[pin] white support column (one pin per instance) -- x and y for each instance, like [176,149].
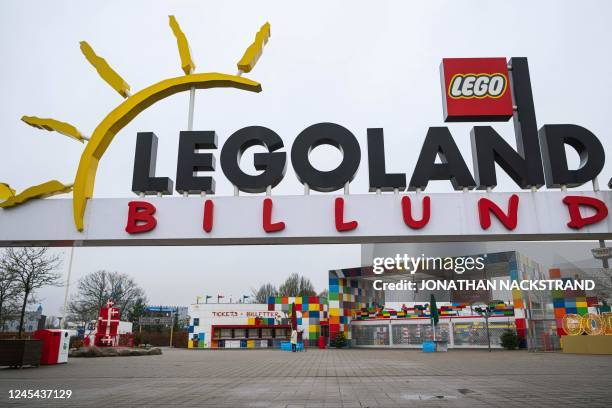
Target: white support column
[67,291]
[191,108]
[189,121]
[595,184]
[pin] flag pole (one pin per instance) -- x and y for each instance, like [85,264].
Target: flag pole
[433,326]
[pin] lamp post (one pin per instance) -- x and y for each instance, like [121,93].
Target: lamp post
[172,315]
[486,313]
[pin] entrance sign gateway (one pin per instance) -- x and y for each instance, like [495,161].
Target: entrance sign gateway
[473,89]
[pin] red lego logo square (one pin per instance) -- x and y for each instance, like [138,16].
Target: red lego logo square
[476,90]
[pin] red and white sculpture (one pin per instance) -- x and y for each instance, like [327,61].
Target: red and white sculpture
[107,326]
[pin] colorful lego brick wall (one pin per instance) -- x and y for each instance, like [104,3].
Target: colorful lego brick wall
[196,343]
[523,268]
[261,321]
[520,268]
[568,301]
[311,312]
[348,295]
[422,310]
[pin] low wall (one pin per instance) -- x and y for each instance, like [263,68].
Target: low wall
[587,344]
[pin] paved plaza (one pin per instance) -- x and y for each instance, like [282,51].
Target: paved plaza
[322,378]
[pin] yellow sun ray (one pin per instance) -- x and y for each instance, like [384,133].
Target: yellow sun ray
[119,117]
[53,125]
[105,71]
[6,191]
[252,54]
[104,133]
[48,189]
[187,63]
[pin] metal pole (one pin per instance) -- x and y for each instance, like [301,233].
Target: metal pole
[189,121]
[191,106]
[604,261]
[433,326]
[171,328]
[487,327]
[602,243]
[63,324]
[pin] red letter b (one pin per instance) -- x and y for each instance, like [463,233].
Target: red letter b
[140,217]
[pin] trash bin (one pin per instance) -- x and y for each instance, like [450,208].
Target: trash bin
[441,345]
[321,343]
[429,346]
[55,345]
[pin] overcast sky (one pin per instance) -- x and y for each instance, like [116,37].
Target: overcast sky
[357,63]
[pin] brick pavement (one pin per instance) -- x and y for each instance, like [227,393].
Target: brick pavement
[322,378]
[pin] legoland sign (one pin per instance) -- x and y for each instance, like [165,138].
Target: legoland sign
[473,90]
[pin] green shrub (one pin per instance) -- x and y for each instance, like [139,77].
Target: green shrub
[339,340]
[509,339]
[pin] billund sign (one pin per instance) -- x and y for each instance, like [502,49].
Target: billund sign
[473,90]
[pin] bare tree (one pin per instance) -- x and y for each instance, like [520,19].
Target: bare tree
[32,269]
[9,297]
[96,288]
[261,294]
[296,285]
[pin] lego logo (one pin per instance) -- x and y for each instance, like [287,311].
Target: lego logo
[478,86]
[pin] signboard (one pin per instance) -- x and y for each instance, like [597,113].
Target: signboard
[602,253]
[476,89]
[245,313]
[155,321]
[306,220]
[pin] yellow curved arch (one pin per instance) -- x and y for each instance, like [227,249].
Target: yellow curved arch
[123,114]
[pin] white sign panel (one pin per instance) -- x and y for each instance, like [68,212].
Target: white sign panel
[308,219]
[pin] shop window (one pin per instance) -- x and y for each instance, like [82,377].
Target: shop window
[416,334]
[475,333]
[253,333]
[371,335]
